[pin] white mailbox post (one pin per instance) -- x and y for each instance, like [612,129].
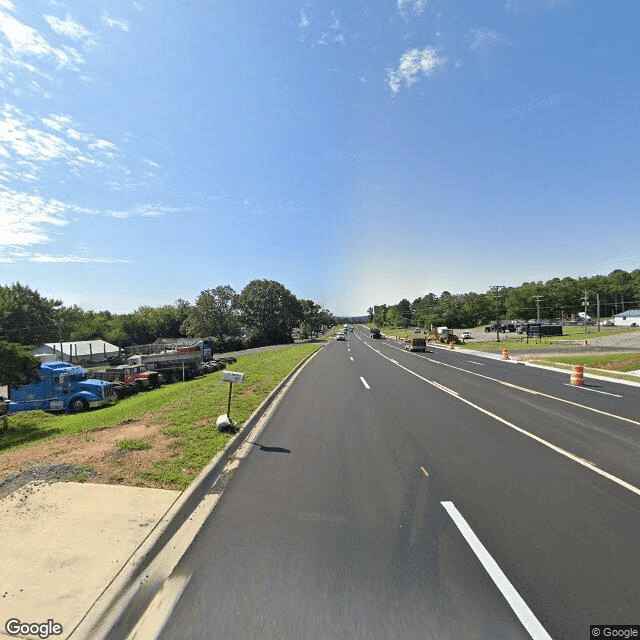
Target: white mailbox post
[224,421]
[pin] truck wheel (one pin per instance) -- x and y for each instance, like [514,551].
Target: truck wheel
[78,405]
[139,386]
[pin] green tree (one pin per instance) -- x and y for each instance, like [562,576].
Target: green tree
[26,317]
[314,317]
[214,315]
[17,365]
[269,312]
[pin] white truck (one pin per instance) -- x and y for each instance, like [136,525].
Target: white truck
[444,332]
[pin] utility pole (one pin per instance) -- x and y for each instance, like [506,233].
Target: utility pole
[538,298]
[498,288]
[585,304]
[598,309]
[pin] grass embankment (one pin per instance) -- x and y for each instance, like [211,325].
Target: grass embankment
[188,409]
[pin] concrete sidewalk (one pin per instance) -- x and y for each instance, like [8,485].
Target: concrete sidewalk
[63,543]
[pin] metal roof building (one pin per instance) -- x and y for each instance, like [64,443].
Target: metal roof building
[84,350]
[630,318]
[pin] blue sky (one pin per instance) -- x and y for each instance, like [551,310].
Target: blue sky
[358,153]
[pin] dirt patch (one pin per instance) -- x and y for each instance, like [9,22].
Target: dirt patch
[620,365]
[94,456]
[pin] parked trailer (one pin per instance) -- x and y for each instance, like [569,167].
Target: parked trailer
[170,365]
[60,386]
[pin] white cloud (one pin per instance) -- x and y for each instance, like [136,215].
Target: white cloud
[28,142]
[7,5]
[25,218]
[147,210]
[42,258]
[334,34]
[411,6]
[483,42]
[115,24]
[69,28]
[304,21]
[25,41]
[151,163]
[103,145]
[57,121]
[414,65]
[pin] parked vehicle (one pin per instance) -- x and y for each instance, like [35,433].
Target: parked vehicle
[60,386]
[171,365]
[374,333]
[341,336]
[129,379]
[444,332]
[466,335]
[415,344]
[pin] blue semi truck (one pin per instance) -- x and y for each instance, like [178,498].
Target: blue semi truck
[60,386]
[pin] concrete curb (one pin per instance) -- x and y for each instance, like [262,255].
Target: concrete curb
[112,613]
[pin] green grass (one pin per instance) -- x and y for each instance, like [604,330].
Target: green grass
[619,362]
[600,372]
[133,445]
[80,474]
[190,409]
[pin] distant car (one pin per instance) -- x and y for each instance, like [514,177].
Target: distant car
[415,344]
[466,335]
[607,323]
[416,330]
[341,336]
[375,333]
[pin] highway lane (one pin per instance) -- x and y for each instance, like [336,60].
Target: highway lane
[337,526]
[606,394]
[539,486]
[606,435]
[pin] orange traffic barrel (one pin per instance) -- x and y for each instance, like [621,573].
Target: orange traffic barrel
[505,354]
[577,374]
[451,345]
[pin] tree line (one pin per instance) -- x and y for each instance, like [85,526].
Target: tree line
[265,312]
[554,299]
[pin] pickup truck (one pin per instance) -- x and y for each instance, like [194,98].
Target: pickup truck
[415,344]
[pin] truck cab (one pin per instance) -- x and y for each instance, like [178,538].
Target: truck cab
[60,386]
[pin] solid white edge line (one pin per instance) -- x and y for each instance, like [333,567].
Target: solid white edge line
[364,382]
[605,393]
[519,606]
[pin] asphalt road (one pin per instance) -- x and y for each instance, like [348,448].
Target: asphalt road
[436,495]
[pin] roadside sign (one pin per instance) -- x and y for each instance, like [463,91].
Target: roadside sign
[232,376]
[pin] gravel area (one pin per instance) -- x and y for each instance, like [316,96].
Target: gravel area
[40,473]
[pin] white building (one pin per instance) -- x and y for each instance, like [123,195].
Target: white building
[85,350]
[630,318]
